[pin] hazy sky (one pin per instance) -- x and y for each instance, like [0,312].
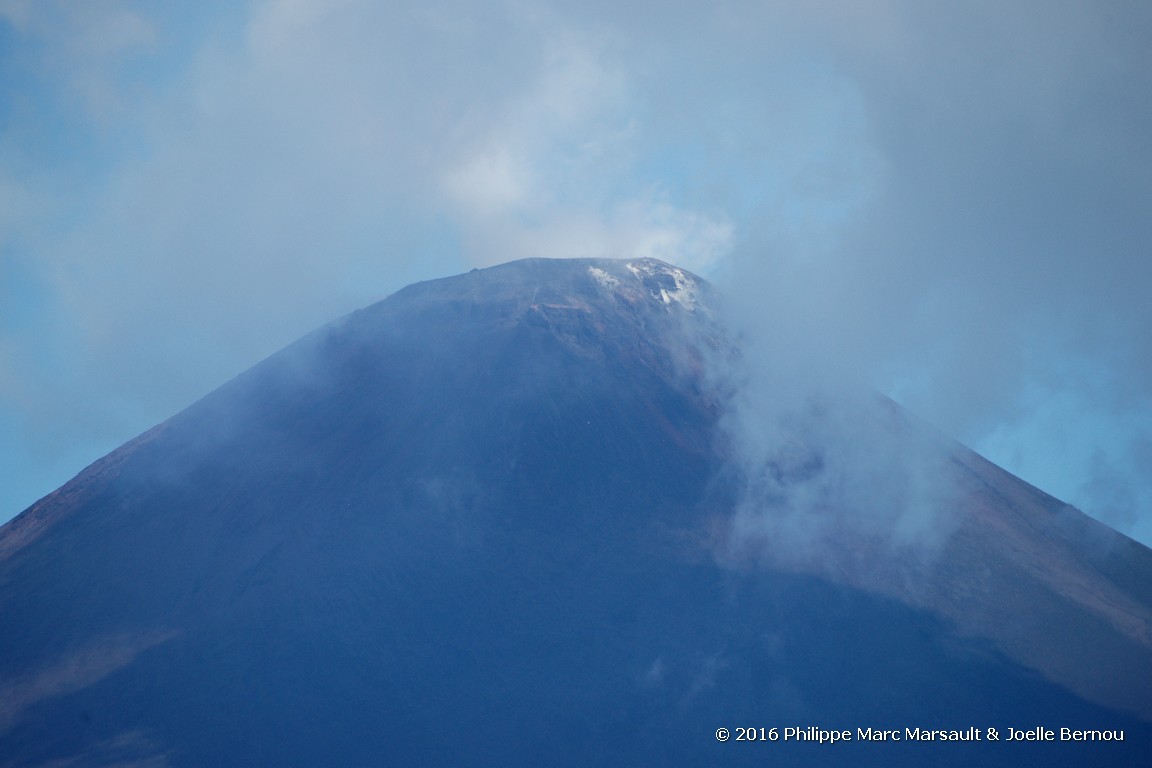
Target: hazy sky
[954,200]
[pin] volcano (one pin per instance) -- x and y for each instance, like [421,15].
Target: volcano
[493,520]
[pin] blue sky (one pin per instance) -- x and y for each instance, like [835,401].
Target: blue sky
[950,201]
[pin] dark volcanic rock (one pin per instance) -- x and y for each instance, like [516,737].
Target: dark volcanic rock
[478,523]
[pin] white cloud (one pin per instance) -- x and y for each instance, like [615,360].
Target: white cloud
[907,191]
[553,175]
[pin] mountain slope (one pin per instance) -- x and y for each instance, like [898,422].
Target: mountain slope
[487,521]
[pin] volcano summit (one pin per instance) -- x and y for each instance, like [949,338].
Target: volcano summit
[498,519]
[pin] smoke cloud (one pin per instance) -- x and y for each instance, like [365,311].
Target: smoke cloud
[944,204]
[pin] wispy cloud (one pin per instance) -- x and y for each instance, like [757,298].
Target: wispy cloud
[949,202]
